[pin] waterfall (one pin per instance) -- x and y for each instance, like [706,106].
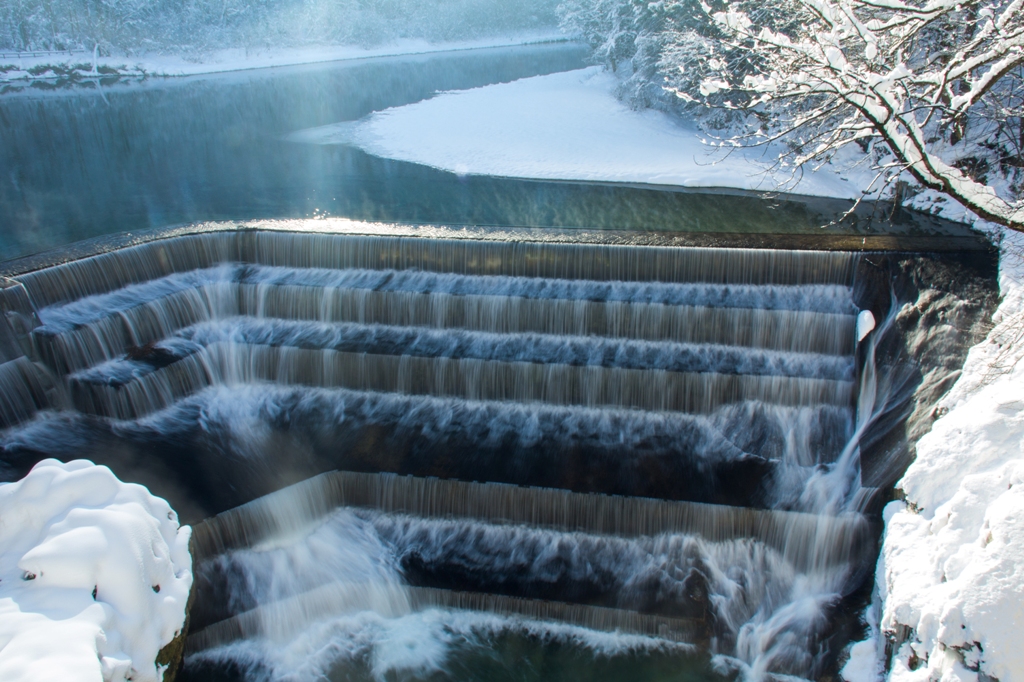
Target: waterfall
[805,540]
[283,618]
[635,442]
[22,391]
[557,384]
[692,576]
[106,337]
[607,263]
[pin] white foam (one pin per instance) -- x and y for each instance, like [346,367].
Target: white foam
[765,610]
[414,645]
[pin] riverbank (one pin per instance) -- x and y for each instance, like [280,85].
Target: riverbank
[42,71]
[952,567]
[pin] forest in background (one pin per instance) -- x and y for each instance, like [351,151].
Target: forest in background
[133,27]
[927,93]
[930,89]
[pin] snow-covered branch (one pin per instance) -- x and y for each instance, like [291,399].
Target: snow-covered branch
[844,71]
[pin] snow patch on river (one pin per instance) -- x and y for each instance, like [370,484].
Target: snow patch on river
[570,126]
[94,576]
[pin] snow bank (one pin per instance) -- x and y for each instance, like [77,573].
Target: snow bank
[241,59]
[568,126]
[238,59]
[952,564]
[94,576]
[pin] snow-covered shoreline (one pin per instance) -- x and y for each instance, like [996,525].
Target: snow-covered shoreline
[56,65]
[952,566]
[94,576]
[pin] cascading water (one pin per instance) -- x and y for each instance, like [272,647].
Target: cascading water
[638,390]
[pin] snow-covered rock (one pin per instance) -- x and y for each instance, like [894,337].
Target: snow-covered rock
[94,576]
[952,564]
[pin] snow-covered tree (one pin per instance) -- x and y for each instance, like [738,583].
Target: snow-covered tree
[129,27]
[630,37]
[938,81]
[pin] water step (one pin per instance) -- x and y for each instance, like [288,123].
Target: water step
[791,330]
[734,455]
[23,391]
[134,264]
[458,343]
[17,320]
[281,620]
[104,337]
[256,280]
[806,541]
[657,390]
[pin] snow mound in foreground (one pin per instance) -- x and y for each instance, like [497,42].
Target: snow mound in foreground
[94,576]
[952,565]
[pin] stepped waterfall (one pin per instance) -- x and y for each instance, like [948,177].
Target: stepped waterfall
[399,452]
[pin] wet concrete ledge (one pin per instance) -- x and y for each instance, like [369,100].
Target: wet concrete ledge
[805,540]
[908,243]
[277,618]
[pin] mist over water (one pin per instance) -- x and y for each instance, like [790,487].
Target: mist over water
[740,582]
[177,150]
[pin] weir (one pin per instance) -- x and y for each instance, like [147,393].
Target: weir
[144,262]
[281,619]
[552,383]
[97,339]
[805,540]
[666,442]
